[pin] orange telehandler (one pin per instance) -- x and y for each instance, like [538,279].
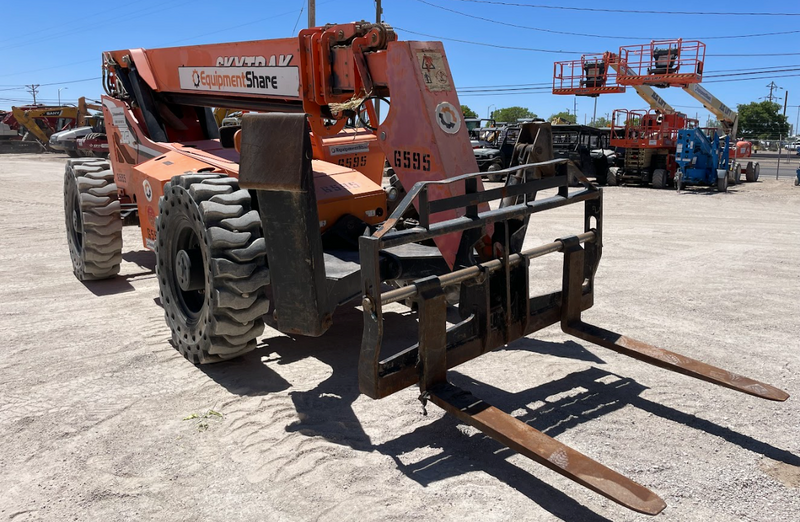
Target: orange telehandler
[286,214]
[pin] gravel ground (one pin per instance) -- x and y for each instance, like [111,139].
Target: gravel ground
[96,404]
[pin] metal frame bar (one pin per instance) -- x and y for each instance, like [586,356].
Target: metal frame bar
[488,325]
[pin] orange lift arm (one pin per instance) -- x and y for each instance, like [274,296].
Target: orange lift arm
[330,73]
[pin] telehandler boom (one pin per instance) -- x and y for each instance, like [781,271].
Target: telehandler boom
[290,206]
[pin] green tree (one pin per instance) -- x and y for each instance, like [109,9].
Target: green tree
[562,116]
[512,114]
[467,112]
[601,122]
[762,120]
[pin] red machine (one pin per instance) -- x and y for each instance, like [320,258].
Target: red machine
[648,139]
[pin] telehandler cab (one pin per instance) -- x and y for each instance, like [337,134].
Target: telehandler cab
[287,216]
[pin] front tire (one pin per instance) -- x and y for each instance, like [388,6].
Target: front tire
[494,167]
[93,220]
[211,267]
[722,184]
[659,178]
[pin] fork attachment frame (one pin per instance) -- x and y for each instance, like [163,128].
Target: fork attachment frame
[495,308]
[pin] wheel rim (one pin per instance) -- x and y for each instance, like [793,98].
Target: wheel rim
[76,220]
[186,246]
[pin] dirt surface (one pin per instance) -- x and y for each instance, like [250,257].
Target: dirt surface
[96,404]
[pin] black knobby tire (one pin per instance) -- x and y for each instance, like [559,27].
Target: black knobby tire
[73,154]
[659,178]
[211,267]
[611,178]
[93,220]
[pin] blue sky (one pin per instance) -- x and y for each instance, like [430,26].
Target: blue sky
[63,45]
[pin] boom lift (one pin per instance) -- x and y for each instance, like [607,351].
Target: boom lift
[273,209]
[648,138]
[703,158]
[729,120]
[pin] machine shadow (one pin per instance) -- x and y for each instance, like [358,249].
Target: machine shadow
[246,376]
[553,408]
[706,191]
[327,411]
[145,259]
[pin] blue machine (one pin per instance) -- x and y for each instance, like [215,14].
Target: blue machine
[702,159]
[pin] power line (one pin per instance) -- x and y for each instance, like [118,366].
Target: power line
[587,35]
[530,49]
[759,55]
[69,23]
[496,46]
[631,11]
[150,10]
[54,83]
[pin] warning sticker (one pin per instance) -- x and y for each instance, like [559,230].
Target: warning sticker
[448,117]
[434,73]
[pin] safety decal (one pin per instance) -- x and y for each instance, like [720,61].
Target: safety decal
[151,215]
[434,73]
[448,117]
[148,190]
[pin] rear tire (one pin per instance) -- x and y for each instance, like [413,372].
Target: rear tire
[93,221]
[722,184]
[750,172]
[73,154]
[211,267]
[659,178]
[612,177]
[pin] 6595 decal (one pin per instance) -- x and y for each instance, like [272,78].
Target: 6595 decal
[406,159]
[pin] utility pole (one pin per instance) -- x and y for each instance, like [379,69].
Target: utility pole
[772,87]
[312,13]
[33,90]
[785,102]
[575,108]
[797,122]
